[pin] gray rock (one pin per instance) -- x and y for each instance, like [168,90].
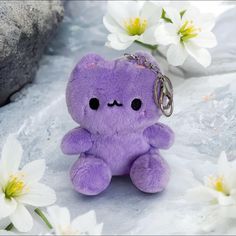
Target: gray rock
[26,27]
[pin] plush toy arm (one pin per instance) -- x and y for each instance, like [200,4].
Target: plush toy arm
[76,141]
[159,136]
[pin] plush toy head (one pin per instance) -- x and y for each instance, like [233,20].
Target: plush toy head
[108,97]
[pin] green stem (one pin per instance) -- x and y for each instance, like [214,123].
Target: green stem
[43,217]
[9,227]
[148,46]
[166,19]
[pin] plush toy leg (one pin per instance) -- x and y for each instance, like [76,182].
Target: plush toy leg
[90,175]
[150,173]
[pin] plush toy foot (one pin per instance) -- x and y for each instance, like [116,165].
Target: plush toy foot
[150,173]
[90,175]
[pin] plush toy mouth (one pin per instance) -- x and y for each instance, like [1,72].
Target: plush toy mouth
[115,103]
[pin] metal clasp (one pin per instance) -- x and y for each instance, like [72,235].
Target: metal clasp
[163,94]
[163,90]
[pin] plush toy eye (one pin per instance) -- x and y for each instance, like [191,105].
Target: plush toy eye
[136,104]
[94,103]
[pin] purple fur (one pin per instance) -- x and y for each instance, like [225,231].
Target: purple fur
[163,140]
[115,140]
[150,173]
[76,141]
[90,175]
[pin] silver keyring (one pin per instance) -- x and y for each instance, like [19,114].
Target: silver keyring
[163,89]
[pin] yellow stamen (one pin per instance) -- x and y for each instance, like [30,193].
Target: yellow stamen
[135,26]
[14,187]
[219,185]
[188,31]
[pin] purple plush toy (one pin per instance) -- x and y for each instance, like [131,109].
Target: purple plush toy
[113,102]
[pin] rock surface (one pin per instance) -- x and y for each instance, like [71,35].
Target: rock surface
[25,29]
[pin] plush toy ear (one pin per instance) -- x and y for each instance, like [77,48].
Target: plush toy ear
[90,60]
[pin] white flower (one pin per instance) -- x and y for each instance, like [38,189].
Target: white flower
[178,5]
[218,193]
[188,34]
[128,21]
[85,224]
[20,187]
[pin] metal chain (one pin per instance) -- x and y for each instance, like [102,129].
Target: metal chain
[163,90]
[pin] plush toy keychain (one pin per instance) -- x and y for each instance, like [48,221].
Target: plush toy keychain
[117,105]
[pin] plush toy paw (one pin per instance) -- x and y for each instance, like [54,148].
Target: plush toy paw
[150,173]
[90,175]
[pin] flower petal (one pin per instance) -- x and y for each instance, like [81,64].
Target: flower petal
[205,40]
[201,194]
[59,218]
[85,223]
[34,171]
[112,25]
[192,14]
[124,38]
[22,219]
[3,178]
[39,195]
[223,164]
[115,43]
[97,230]
[207,22]
[173,14]
[166,34]
[180,5]
[7,206]
[176,54]
[11,155]
[230,181]
[123,10]
[151,12]
[201,55]
[225,200]
[148,36]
